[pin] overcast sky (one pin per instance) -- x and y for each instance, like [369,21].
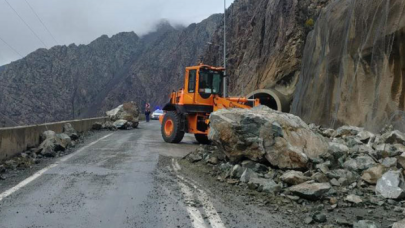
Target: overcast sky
[81,21]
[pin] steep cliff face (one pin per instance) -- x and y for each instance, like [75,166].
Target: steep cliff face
[354,66]
[68,82]
[265,43]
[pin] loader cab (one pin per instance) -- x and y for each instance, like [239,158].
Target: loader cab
[202,83]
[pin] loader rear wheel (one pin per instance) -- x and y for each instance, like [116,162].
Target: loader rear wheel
[202,139]
[171,128]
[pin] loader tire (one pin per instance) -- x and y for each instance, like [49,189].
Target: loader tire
[171,128]
[202,139]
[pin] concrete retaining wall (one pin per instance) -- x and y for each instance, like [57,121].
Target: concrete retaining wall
[15,140]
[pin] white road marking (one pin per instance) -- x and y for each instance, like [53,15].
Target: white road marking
[42,171]
[211,212]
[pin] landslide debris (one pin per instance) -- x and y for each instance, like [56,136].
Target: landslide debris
[344,169]
[125,116]
[52,145]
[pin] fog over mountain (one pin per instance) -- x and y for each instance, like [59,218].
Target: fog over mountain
[61,22]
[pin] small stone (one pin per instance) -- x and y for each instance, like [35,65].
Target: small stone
[294,177]
[236,171]
[394,137]
[232,181]
[343,222]
[399,224]
[333,200]
[247,175]
[194,157]
[319,217]
[2,177]
[334,182]
[365,224]
[213,160]
[309,220]
[353,199]
[311,190]
[319,177]
[389,162]
[359,164]
[372,175]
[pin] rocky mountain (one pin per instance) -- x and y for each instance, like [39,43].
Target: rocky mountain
[341,61]
[67,82]
[266,40]
[353,69]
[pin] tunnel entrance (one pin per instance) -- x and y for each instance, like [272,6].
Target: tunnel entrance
[270,98]
[266,99]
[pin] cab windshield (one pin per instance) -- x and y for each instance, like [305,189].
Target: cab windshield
[210,82]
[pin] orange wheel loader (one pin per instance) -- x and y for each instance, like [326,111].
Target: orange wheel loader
[189,108]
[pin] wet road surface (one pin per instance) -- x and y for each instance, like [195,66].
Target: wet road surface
[108,183]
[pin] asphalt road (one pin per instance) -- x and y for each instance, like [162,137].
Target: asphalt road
[110,182]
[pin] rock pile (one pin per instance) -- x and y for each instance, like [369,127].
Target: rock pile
[125,116]
[278,153]
[52,145]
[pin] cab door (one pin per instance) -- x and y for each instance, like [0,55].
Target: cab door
[190,86]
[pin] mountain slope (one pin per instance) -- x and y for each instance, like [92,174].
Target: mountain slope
[68,82]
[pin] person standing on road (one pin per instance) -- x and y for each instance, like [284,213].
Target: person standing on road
[147,111]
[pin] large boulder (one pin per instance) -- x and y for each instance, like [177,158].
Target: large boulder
[127,111]
[261,133]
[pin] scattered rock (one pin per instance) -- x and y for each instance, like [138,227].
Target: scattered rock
[399,224]
[359,164]
[70,131]
[256,167]
[343,222]
[401,160]
[347,131]
[247,175]
[319,217]
[236,172]
[394,137]
[121,124]
[266,185]
[353,199]
[213,160]
[310,190]
[97,126]
[47,135]
[309,220]
[389,162]
[337,150]
[319,177]
[391,185]
[365,224]
[194,157]
[294,177]
[62,142]
[372,175]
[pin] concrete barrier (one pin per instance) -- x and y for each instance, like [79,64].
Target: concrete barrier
[15,140]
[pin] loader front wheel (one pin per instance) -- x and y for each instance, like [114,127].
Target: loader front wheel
[202,139]
[171,128]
